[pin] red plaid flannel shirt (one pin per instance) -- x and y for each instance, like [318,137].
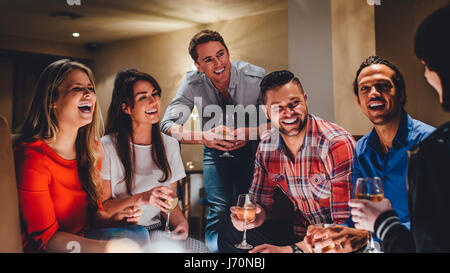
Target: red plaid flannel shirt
[318,182]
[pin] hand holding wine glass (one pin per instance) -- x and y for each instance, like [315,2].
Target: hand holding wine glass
[229,123]
[365,213]
[368,190]
[156,197]
[172,203]
[215,138]
[245,211]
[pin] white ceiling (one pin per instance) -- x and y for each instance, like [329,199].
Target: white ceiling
[110,20]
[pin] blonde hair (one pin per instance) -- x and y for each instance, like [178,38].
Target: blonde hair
[41,123]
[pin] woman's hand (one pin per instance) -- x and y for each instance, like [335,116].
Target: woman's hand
[154,197]
[181,231]
[365,212]
[130,215]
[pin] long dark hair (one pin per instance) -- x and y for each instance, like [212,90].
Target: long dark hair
[432,45]
[41,123]
[119,126]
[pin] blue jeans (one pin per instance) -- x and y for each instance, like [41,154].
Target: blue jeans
[225,178]
[138,234]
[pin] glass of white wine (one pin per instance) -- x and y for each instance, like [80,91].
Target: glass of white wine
[369,188]
[246,211]
[173,204]
[229,122]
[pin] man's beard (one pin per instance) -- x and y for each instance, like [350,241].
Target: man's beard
[293,132]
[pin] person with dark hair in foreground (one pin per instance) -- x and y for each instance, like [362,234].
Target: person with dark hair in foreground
[307,158]
[428,165]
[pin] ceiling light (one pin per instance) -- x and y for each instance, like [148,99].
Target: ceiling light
[76,34]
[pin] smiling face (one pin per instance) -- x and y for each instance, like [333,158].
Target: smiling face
[76,100]
[377,95]
[287,109]
[214,60]
[147,103]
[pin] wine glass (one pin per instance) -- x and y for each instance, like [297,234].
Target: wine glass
[246,211]
[369,188]
[173,204]
[229,122]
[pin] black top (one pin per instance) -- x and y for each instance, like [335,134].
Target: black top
[428,197]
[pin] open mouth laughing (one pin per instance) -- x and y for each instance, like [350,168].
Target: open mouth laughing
[376,105]
[289,121]
[151,111]
[85,107]
[217,72]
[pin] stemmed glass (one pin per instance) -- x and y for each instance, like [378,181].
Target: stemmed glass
[173,204]
[369,188]
[229,122]
[246,211]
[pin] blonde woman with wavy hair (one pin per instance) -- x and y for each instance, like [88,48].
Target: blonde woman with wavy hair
[58,157]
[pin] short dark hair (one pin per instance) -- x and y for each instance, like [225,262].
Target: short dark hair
[432,46]
[276,79]
[397,78]
[202,37]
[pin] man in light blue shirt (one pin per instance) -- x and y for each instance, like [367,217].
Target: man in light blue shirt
[217,88]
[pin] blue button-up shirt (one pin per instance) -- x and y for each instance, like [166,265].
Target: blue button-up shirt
[391,167]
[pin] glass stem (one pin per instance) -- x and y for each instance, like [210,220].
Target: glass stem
[167,223]
[244,237]
[371,243]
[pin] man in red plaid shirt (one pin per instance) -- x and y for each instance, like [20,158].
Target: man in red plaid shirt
[307,158]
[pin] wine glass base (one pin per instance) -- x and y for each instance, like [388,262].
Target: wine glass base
[226,154]
[371,250]
[169,234]
[243,246]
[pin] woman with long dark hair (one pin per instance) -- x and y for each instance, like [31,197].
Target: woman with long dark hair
[428,165]
[141,166]
[57,157]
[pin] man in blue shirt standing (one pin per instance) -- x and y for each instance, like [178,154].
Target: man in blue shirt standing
[381,94]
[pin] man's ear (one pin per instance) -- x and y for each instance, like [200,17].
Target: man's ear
[198,66]
[357,101]
[126,109]
[264,108]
